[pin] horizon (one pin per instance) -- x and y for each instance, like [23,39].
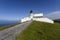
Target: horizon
[18,9]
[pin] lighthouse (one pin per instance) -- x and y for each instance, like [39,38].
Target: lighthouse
[36,17]
[31,14]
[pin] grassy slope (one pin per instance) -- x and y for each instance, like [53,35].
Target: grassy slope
[40,31]
[5,27]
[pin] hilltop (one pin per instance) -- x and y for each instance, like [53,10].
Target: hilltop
[40,31]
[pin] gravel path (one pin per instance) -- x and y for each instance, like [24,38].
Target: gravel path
[10,33]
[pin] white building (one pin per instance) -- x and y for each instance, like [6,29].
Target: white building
[37,17]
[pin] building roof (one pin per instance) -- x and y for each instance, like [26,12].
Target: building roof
[40,14]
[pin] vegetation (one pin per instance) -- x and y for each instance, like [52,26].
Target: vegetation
[57,20]
[40,31]
[5,27]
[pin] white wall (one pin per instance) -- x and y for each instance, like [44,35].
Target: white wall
[43,20]
[25,19]
[37,19]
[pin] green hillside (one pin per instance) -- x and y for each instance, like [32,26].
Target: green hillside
[40,31]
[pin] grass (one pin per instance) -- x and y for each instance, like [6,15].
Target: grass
[40,31]
[5,27]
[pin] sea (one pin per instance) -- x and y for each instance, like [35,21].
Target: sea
[7,22]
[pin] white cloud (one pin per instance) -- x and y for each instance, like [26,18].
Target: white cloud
[53,15]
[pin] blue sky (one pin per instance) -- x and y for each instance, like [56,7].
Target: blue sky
[17,9]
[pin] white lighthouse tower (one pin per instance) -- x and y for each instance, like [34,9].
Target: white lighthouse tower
[31,14]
